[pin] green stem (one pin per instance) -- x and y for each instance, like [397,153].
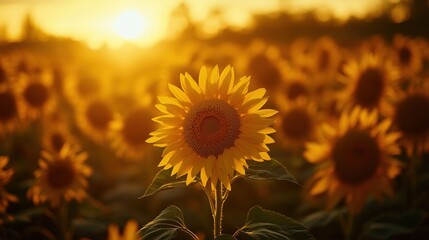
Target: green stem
[346,222]
[63,220]
[414,165]
[217,215]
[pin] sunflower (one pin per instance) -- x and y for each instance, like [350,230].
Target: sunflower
[81,86]
[56,133]
[356,161]
[61,176]
[130,132]
[296,123]
[10,110]
[370,84]
[407,56]
[411,117]
[294,85]
[263,62]
[95,117]
[130,231]
[325,57]
[300,54]
[37,95]
[5,176]
[374,45]
[213,127]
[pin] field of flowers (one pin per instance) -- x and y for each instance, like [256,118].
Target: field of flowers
[329,141]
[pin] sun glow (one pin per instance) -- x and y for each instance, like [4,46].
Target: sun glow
[129,24]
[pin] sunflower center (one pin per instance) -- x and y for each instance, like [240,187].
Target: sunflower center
[296,90]
[61,174]
[8,107]
[412,115]
[211,127]
[136,127]
[323,60]
[369,88]
[296,124]
[405,56]
[57,141]
[356,156]
[99,115]
[36,94]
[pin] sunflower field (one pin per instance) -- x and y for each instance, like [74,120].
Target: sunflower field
[296,128]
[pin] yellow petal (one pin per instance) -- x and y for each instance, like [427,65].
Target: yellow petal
[178,93]
[202,79]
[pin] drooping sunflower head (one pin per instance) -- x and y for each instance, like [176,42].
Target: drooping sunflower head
[61,177]
[357,162]
[370,84]
[5,177]
[411,117]
[213,127]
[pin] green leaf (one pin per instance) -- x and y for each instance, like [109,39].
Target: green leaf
[268,170]
[389,225]
[165,226]
[163,180]
[322,218]
[225,237]
[28,214]
[264,224]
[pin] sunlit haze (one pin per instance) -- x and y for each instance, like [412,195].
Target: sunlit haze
[146,22]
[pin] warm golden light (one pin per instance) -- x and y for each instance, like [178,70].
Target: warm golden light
[129,24]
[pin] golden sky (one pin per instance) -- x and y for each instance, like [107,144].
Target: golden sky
[99,21]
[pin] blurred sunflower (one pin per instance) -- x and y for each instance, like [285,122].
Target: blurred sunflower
[61,176]
[37,96]
[374,45]
[411,117]
[300,54]
[263,62]
[355,159]
[213,127]
[407,56]
[130,231]
[56,133]
[10,110]
[5,176]
[83,86]
[130,132]
[95,117]
[325,57]
[370,84]
[294,85]
[296,123]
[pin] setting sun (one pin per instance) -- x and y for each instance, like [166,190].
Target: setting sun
[129,24]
